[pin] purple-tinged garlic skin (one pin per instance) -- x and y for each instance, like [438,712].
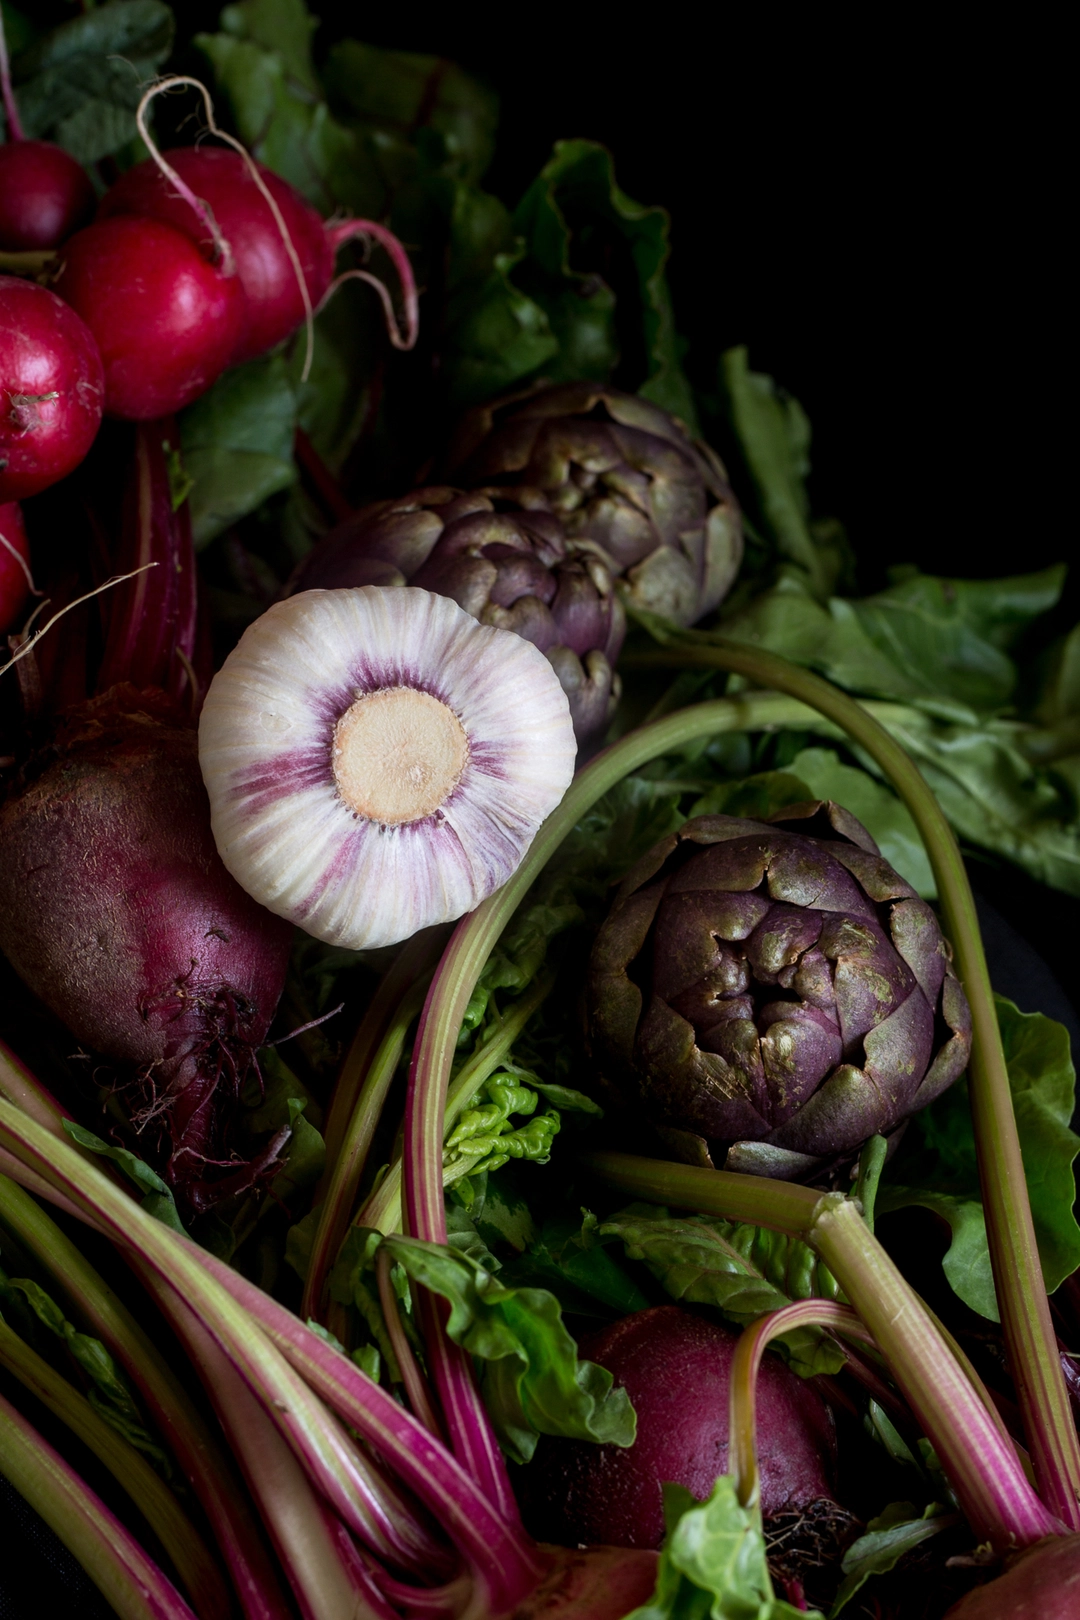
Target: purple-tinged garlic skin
[377,761]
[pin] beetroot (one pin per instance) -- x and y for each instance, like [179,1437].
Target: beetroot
[591,1583]
[14,564]
[221,178]
[51,389]
[166,320]
[116,910]
[1043,1584]
[44,196]
[675,1367]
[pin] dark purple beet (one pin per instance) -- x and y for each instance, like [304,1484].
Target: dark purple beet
[116,910]
[675,1366]
[1043,1584]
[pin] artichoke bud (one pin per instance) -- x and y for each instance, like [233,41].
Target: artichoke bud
[624,475]
[775,989]
[507,559]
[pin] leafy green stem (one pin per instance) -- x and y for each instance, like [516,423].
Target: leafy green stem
[1025,1311]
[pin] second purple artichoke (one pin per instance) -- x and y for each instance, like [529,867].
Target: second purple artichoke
[776,989]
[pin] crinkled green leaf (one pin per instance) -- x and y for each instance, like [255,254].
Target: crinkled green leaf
[575,219]
[532,1381]
[744,1271]
[894,1532]
[157,1198]
[79,84]
[237,444]
[713,1565]
[885,817]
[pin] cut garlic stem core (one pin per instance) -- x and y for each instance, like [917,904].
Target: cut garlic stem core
[398,754]
[377,761]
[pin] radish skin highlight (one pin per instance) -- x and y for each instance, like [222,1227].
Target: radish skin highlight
[378,762]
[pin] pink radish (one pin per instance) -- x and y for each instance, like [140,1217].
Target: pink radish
[44,196]
[675,1368]
[51,389]
[222,180]
[16,582]
[167,320]
[140,941]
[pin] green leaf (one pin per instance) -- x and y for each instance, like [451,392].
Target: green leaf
[306,1158]
[576,221]
[109,1393]
[773,433]
[744,1271]
[943,1175]
[757,797]
[158,1198]
[1043,1083]
[397,93]
[892,1534]
[571,1260]
[532,1381]
[885,817]
[967,1262]
[713,1565]
[237,443]
[80,84]
[283,26]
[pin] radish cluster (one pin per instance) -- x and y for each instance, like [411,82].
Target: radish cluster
[195,261]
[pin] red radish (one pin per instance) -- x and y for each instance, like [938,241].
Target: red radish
[675,1368]
[51,389]
[166,320]
[222,179]
[15,578]
[45,194]
[116,910]
[1043,1584]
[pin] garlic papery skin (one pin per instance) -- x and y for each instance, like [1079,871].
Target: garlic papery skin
[377,761]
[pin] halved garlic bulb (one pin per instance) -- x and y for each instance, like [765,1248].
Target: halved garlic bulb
[378,761]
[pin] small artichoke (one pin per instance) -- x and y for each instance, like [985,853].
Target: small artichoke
[506,560]
[776,989]
[623,475]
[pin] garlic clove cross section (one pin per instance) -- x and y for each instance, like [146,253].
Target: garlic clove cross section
[377,761]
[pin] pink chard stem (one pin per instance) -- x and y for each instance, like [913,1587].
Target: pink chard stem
[11,111]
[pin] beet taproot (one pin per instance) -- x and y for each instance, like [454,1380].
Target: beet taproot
[675,1368]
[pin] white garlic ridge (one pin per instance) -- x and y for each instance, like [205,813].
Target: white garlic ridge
[377,761]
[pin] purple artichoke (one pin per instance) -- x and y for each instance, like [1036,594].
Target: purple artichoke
[508,562]
[776,989]
[623,475]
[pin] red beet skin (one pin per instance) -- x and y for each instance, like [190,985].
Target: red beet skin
[116,910]
[594,1583]
[45,194]
[675,1367]
[221,178]
[51,389]
[166,320]
[1043,1584]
